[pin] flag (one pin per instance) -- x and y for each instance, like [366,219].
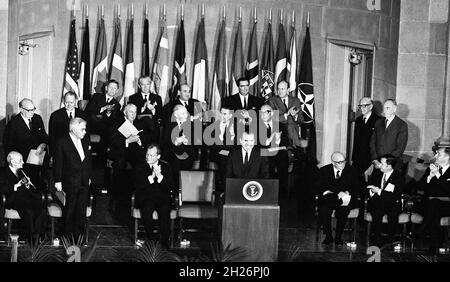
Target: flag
[267,85]
[220,76]
[251,68]
[200,77]
[116,61]
[292,64]
[160,73]
[71,77]
[179,62]
[306,95]
[84,79]
[281,56]
[145,61]
[100,71]
[237,64]
[129,83]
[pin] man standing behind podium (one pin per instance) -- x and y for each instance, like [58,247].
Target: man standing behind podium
[72,169]
[337,187]
[246,161]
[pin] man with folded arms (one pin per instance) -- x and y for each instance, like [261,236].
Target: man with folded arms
[337,187]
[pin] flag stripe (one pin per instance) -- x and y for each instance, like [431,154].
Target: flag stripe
[200,77]
[100,71]
[71,75]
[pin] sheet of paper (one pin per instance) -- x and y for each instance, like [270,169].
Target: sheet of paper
[390,187]
[345,198]
[35,158]
[61,195]
[224,152]
[127,129]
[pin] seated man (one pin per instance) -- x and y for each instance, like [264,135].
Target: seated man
[246,161]
[23,196]
[436,183]
[337,186]
[385,188]
[154,181]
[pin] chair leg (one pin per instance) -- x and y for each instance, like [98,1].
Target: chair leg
[354,230]
[180,232]
[8,231]
[412,236]
[87,230]
[172,228]
[52,230]
[135,230]
[368,235]
[403,239]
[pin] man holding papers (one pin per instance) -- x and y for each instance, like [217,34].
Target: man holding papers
[337,186]
[385,187]
[128,140]
[72,170]
[26,132]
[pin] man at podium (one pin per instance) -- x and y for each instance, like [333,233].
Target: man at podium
[246,161]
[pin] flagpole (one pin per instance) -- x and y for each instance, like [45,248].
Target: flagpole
[224,13]
[281,16]
[240,14]
[164,11]
[293,18]
[307,20]
[270,15]
[255,16]
[103,11]
[146,10]
[182,12]
[203,10]
[118,11]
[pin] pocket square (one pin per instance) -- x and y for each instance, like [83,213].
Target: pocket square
[89,148]
[389,188]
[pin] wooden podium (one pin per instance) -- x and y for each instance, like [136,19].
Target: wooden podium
[252,224]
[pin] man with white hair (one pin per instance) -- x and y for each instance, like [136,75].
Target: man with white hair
[22,195]
[72,171]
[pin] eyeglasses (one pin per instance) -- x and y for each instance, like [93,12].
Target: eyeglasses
[364,105]
[340,162]
[247,85]
[267,112]
[30,110]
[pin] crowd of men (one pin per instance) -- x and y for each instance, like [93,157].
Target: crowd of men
[148,143]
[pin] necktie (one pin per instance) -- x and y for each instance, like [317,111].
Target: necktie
[108,100]
[383,182]
[29,124]
[70,115]
[180,128]
[224,136]
[246,159]
[269,130]
[440,171]
[245,102]
[145,98]
[338,174]
[386,123]
[365,120]
[285,103]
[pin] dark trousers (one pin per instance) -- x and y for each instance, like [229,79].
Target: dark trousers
[162,207]
[379,208]
[32,213]
[435,210]
[75,211]
[327,204]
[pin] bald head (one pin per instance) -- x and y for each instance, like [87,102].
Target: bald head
[27,108]
[14,159]
[282,89]
[338,160]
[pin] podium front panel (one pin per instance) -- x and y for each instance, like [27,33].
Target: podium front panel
[254,228]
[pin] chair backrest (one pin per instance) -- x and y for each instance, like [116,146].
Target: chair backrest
[196,186]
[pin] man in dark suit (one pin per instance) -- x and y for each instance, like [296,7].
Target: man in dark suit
[246,160]
[390,136]
[246,106]
[126,153]
[178,142]
[193,106]
[59,119]
[22,195]
[223,141]
[24,132]
[289,112]
[385,188]
[149,105]
[337,187]
[436,185]
[154,184]
[273,139]
[72,169]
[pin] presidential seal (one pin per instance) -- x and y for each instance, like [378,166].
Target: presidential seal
[252,191]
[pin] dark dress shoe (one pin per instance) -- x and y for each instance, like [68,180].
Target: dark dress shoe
[328,240]
[338,242]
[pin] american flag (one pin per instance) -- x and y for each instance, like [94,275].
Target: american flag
[266,84]
[71,77]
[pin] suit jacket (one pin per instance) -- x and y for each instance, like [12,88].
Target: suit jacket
[228,143]
[396,179]
[156,191]
[258,166]
[361,142]
[97,102]
[348,181]
[137,100]
[277,104]
[264,134]
[67,165]
[59,125]
[193,107]
[437,187]
[18,137]
[118,149]
[171,132]
[234,102]
[17,199]
[391,140]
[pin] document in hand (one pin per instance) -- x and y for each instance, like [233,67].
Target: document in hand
[127,129]
[389,188]
[345,198]
[35,158]
[224,152]
[61,195]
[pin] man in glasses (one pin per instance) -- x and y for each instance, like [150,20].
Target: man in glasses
[337,186]
[364,126]
[26,132]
